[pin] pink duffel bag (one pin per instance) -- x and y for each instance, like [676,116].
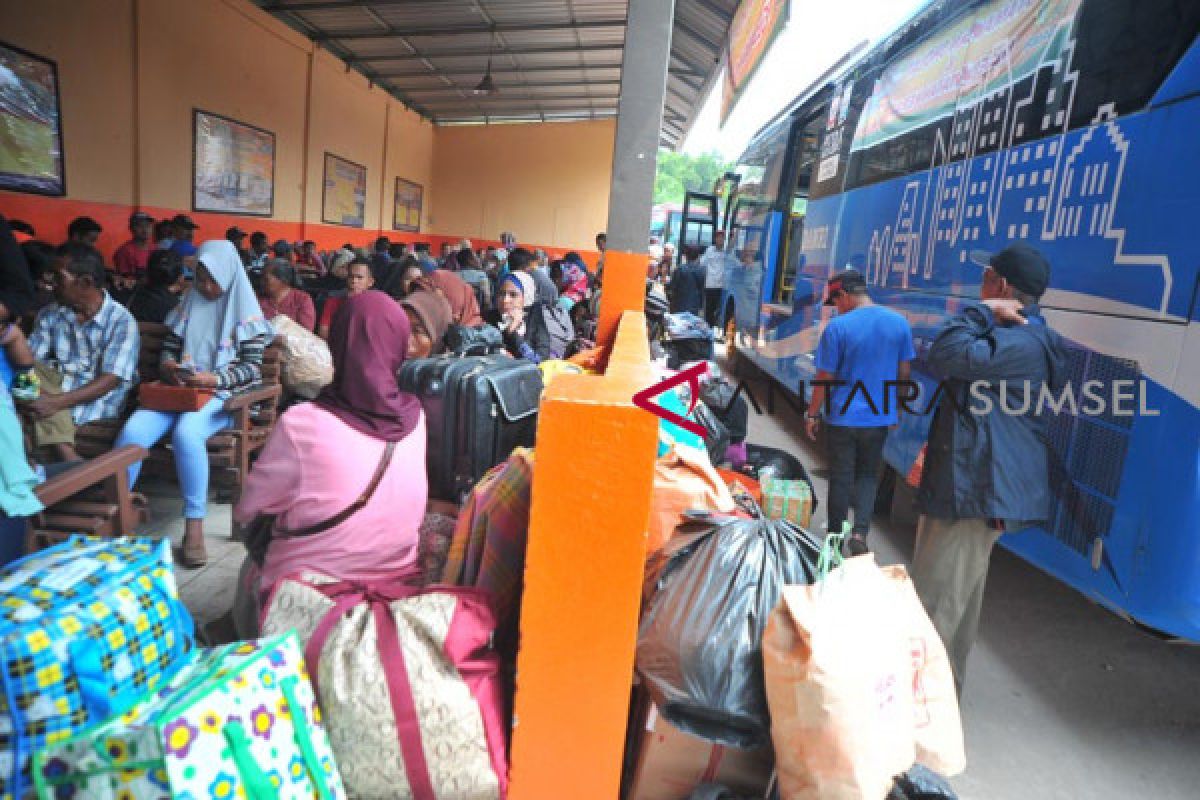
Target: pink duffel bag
[408,683]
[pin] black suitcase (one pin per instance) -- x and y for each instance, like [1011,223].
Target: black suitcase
[477,410]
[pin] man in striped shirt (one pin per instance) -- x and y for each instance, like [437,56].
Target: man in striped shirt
[86,347]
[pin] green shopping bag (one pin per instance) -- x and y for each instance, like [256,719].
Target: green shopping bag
[236,721]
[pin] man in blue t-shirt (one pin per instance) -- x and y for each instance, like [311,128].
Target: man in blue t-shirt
[863,351]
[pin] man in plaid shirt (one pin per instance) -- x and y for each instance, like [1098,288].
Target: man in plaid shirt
[86,346]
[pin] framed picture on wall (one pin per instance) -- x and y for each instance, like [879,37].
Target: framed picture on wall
[344,196]
[406,215]
[233,166]
[31,142]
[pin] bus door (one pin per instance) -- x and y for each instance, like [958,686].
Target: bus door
[699,221]
[726,190]
[791,288]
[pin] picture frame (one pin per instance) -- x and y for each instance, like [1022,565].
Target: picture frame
[406,211]
[32,158]
[233,166]
[343,192]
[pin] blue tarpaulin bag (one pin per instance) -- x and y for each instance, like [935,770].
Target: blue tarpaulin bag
[87,628]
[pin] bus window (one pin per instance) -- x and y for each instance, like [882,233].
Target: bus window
[807,151]
[1124,50]
[761,167]
[1119,52]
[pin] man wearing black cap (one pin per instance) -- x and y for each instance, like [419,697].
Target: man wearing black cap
[864,349]
[238,237]
[986,464]
[185,232]
[131,258]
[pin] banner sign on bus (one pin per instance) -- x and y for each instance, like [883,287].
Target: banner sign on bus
[755,25]
[995,46]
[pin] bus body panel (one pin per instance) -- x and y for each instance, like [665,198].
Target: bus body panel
[1112,206]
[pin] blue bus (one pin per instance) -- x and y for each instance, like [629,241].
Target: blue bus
[1069,124]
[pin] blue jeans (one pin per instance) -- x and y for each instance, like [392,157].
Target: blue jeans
[855,461]
[190,433]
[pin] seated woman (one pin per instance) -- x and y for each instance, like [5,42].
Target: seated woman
[521,320]
[217,340]
[464,307]
[322,455]
[278,296]
[429,316]
[156,299]
[358,280]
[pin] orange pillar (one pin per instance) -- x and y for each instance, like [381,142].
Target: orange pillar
[583,574]
[624,290]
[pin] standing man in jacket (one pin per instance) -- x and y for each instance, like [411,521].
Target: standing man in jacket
[986,470]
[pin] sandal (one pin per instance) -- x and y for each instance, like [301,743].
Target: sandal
[192,556]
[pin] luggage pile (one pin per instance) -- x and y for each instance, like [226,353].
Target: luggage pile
[106,694]
[768,666]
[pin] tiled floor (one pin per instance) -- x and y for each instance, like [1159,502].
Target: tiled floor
[207,592]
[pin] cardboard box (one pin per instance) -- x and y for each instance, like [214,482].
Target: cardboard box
[788,500]
[671,763]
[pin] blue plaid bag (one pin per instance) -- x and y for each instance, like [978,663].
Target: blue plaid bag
[87,628]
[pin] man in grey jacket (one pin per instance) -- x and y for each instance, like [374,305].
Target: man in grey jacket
[986,469]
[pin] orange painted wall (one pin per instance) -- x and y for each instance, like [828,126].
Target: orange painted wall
[92,42]
[210,54]
[132,71]
[547,183]
[410,147]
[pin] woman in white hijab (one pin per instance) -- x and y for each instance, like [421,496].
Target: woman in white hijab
[216,342]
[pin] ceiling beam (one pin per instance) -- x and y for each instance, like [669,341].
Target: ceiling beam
[338,5]
[722,14]
[684,28]
[541,27]
[507,87]
[587,48]
[508,98]
[526,113]
[496,72]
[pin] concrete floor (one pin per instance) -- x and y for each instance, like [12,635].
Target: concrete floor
[1062,699]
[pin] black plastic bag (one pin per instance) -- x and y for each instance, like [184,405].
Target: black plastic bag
[716,435]
[699,647]
[730,407]
[921,783]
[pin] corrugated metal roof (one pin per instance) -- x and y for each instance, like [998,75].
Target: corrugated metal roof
[551,59]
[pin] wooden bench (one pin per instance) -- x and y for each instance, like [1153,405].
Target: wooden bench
[92,498]
[231,451]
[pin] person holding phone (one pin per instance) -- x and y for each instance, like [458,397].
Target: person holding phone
[218,335]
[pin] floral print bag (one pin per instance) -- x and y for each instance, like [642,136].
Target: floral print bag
[239,721]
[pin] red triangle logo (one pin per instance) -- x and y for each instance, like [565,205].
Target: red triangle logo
[690,376]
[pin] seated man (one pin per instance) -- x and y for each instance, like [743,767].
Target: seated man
[86,346]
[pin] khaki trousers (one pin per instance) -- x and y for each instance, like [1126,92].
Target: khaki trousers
[58,428]
[949,570]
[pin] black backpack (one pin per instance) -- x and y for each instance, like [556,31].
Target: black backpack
[479,341]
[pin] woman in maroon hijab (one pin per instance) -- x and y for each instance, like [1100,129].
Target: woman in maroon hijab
[458,294]
[323,455]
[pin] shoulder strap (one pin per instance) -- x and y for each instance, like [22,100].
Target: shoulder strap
[351,509]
